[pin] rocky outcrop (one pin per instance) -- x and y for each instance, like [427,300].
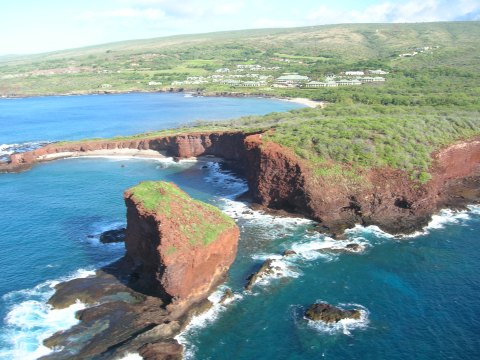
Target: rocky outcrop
[384,197]
[113,236]
[178,251]
[278,179]
[330,314]
[228,145]
[268,268]
[180,248]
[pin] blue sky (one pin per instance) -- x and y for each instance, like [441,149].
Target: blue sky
[32,26]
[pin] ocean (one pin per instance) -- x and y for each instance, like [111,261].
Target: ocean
[418,296]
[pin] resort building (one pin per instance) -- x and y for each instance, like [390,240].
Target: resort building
[378,72]
[252,83]
[354,73]
[348,82]
[318,84]
[292,79]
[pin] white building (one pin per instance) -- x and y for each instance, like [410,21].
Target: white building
[354,73]
[348,82]
[378,72]
[292,79]
[318,84]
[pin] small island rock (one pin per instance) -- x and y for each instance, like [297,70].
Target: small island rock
[329,313]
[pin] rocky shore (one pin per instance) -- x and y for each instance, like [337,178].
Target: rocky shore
[178,250]
[278,179]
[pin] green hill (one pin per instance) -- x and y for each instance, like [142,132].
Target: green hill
[430,96]
[311,51]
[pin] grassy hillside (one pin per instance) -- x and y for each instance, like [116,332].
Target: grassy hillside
[428,100]
[311,51]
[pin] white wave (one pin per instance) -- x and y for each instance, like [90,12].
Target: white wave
[164,162]
[443,218]
[131,356]
[30,320]
[474,209]
[202,320]
[361,231]
[8,149]
[316,246]
[225,180]
[281,268]
[344,326]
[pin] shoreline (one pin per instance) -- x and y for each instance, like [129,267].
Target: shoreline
[302,101]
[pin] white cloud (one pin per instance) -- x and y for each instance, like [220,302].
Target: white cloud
[409,11]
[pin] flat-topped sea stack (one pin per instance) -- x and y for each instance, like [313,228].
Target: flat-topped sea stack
[180,248]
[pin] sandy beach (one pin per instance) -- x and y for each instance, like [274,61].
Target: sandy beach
[307,102]
[104,153]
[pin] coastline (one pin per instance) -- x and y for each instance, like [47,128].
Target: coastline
[302,101]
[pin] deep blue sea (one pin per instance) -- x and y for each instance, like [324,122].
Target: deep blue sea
[419,296]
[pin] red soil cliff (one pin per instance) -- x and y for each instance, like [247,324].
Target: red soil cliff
[180,248]
[278,179]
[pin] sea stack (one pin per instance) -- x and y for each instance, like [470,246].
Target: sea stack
[180,248]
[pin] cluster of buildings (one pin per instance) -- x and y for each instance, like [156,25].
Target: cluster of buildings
[243,80]
[248,76]
[418,51]
[348,78]
[243,68]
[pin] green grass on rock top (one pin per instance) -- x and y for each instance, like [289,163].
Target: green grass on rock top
[199,222]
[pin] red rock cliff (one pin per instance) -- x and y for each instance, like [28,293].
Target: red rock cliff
[180,248]
[279,179]
[386,197]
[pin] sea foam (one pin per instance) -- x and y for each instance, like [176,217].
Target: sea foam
[30,320]
[344,326]
[8,149]
[200,321]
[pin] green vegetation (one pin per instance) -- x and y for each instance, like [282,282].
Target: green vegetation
[312,51]
[363,136]
[199,222]
[427,101]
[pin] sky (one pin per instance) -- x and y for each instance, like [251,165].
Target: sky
[34,26]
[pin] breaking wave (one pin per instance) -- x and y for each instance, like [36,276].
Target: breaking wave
[202,320]
[344,326]
[30,320]
[8,149]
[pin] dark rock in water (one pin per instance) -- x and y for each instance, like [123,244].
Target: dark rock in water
[91,290]
[330,314]
[354,247]
[204,167]
[113,236]
[227,295]
[162,351]
[268,268]
[349,248]
[289,252]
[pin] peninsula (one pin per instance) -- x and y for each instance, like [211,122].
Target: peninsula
[178,251]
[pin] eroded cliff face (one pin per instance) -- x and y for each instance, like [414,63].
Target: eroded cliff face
[228,145]
[385,197]
[278,179]
[180,249]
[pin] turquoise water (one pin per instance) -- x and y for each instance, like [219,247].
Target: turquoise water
[418,296]
[28,122]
